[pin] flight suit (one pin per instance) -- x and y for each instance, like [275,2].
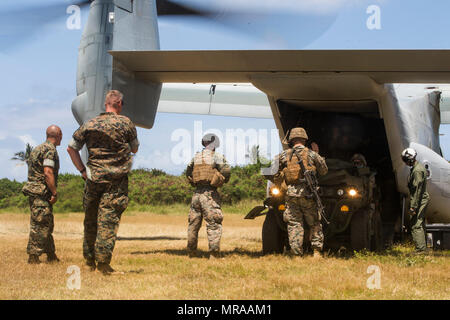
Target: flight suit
[419,199]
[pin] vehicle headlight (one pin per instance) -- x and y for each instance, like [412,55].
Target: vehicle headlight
[275,191]
[353,192]
[340,192]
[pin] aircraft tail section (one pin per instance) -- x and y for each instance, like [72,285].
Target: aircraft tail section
[136,29]
[116,25]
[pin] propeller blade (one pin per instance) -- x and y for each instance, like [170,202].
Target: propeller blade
[83,3]
[269,26]
[170,8]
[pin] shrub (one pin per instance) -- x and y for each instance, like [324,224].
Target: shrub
[152,187]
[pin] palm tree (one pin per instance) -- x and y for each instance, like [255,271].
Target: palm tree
[23,156]
[256,158]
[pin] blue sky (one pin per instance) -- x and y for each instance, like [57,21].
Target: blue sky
[39,68]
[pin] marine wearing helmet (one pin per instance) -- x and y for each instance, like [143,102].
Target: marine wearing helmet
[300,207]
[418,197]
[207,171]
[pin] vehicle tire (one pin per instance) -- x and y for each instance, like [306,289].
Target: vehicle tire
[360,231]
[272,235]
[377,243]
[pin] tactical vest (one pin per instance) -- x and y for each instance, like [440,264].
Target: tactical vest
[293,172]
[203,171]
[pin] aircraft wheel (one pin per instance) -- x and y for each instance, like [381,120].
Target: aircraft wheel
[272,235]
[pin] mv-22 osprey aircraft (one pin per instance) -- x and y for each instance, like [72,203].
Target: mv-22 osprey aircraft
[350,101]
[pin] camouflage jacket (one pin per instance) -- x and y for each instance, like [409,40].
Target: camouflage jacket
[216,160]
[109,139]
[417,185]
[281,161]
[44,155]
[368,179]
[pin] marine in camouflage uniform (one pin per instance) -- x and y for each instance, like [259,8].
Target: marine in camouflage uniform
[300,205]
[110,138]
[361,169]
[207,171]
[43,167]
[418,198]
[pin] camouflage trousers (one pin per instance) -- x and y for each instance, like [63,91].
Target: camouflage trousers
[205,205]
[103,204]
[298,211]
[41,227]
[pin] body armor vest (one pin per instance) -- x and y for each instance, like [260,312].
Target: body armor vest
[293,172]
[203,171]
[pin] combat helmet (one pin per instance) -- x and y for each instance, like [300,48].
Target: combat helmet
[359,157]
[297,133]
[211,138]
[409,156]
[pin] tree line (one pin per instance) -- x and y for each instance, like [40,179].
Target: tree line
[146,187]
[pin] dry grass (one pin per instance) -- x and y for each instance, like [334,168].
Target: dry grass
[156,266]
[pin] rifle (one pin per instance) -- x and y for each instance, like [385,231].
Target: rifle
[311,181]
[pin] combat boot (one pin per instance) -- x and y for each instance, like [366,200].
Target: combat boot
[421,252]
[90,263]
[34,259]
[193,254]
[317,254]
[52,258]
[106,269]
[215,255]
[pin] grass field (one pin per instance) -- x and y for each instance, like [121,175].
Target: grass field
[156,266]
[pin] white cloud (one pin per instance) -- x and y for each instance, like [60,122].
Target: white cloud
[32,116]
[27,139]
[11,169]
[26,122]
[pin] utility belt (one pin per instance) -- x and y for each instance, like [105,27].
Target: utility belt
[299,190]
[199,187]
[301,182]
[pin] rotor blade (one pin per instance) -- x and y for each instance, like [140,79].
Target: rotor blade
[170,8]
[271,28]
[17,25]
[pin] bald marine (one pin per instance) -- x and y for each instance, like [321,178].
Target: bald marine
[54,134]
